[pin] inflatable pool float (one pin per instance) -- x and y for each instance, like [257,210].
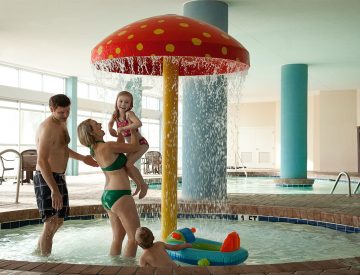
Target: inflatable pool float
[204,251]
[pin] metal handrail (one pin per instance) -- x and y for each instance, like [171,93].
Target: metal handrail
[357,187]
[19,177]
[337,180]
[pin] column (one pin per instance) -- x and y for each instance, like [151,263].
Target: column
[294,80]
[71,91]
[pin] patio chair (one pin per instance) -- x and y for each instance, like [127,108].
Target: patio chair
[3,161]
[28,164]
[152,162]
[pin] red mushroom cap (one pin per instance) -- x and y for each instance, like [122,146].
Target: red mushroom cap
[139,47]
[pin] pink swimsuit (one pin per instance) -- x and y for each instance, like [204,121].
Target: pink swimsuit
[127,133]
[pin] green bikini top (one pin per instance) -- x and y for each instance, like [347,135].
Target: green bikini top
[116,165]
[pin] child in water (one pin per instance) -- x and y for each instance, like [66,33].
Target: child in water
[155,254]
[125,120]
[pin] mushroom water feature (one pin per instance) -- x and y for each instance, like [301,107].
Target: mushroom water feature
[171,46]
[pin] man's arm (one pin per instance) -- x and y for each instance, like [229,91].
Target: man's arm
[43,150]
[86,159]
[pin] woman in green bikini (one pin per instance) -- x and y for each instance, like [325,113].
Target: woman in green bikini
[116,198]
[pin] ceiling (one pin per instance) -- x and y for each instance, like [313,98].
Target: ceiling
[58,35]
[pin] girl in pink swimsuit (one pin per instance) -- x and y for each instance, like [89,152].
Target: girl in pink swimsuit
[125,120]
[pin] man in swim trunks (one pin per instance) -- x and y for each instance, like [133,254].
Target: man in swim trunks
[52,141]
[155,254]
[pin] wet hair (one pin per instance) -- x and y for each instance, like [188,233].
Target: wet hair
[84,133]
[59,100]
[126,93]
[144,237]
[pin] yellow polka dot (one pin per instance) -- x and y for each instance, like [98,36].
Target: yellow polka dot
[206,34]
[110,56]
[152,54]
[143,26]
[225,36]
[184,25]
[117,50]
[196,41]
[161,21]
[131,36]
[170,48]
[109,42]
[158,31]
[224,50]
[121,33]
[139,46]
[207,55]
[100,49]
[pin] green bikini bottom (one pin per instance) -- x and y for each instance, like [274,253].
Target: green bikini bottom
[109,197]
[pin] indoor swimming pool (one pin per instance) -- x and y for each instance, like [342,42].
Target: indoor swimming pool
[88,241]
[266,185]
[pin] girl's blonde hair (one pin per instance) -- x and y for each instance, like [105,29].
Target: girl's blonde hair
[84,131]
[117,113]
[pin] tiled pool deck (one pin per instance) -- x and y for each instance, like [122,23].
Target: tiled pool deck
[333,211]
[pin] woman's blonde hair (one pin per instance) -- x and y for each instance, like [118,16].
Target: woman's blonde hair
[84,131]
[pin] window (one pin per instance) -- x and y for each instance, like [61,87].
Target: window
[9,104]
[30,80]
[21,129]
[96,93]
[83,90]
[30,121]
[110,95]
[9,76]
[53,84]
[10,132]
[152,103]
[151,131]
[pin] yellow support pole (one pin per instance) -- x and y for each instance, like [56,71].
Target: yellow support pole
[169,146]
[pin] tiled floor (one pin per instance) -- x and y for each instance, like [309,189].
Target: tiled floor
[86,191]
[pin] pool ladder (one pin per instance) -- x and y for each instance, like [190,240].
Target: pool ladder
[349,183]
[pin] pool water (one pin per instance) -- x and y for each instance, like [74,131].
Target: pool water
[266,185]
[88,241]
